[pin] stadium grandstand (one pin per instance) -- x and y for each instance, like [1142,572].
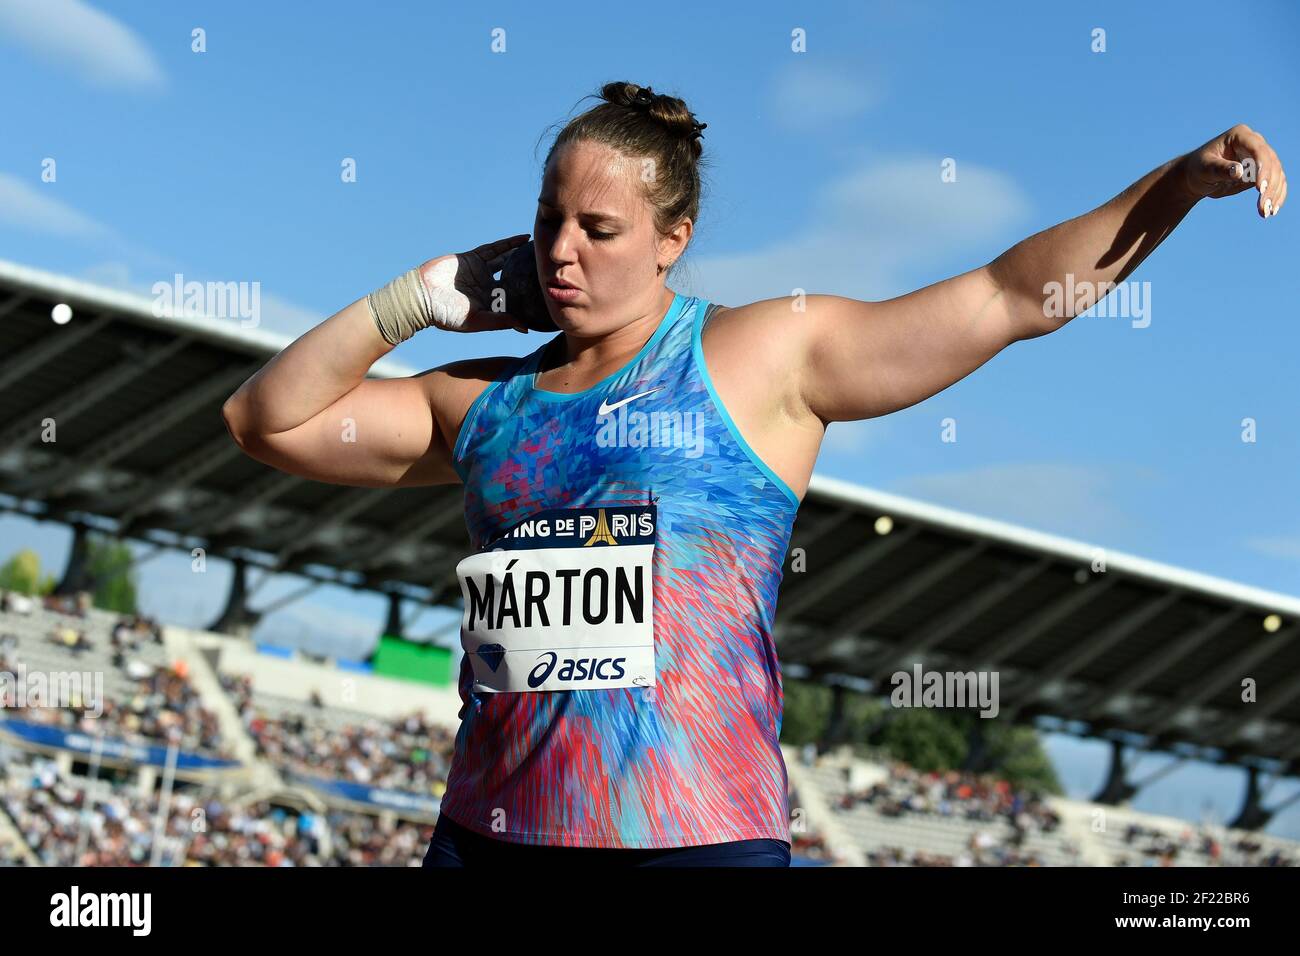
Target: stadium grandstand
[211,750]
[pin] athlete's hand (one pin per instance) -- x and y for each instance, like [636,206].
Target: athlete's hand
[460,288]
[1232,162]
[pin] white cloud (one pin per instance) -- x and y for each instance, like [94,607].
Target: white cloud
[865,232]
[854,438]
[1071,500]
[906,197]
[75,35]
[807,94]
[115,275]
[30,205]
[1283,547]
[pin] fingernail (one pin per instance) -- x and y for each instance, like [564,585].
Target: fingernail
[1268,207]
[1263,187]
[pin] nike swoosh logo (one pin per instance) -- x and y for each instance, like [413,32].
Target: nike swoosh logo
[606,408]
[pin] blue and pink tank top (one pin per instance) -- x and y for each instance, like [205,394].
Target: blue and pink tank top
[629,545]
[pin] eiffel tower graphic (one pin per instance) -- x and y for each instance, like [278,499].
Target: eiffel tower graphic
[601,535]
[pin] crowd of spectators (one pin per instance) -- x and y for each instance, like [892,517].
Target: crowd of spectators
[995,855]
[71,605]
[982,849]
[958,795]
[161,706]
[408,753]
[1153,846]
[954,793]
[413,754]
[117,825]
[364,840]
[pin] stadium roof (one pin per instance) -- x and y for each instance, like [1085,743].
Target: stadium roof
[1076,631]
[1107,641]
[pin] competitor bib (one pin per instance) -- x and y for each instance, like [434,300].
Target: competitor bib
[563,601]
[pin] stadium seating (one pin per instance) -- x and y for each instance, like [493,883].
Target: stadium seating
[848,810]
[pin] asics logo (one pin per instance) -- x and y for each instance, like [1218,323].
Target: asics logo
[576,669]
[606,408]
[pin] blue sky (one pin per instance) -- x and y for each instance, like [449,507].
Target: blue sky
[225,165]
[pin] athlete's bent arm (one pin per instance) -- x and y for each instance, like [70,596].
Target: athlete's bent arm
[856,360]
[310,411]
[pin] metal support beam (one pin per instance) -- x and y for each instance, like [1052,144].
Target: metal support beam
[224,515]
[904,592]
[1220,675]
[1157,663]
[835,729]
[861,618]
[1088,650]
[181,474]
[1042,621]
[833,579]
[978,759]
[1117,789]
[311,528]
[1256,713]
[421,526]
[806,535]
[285,601]
[236,618]
[1253,815]
[121,441]
[47,348]
[393,626]
[956,618]
[858,561]
[88,394]
[76,572]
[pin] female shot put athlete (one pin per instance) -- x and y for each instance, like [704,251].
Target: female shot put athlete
[630,486]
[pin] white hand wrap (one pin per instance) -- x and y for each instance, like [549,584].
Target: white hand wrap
[416,300]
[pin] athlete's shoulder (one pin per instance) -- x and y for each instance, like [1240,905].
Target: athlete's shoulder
[453,387]
[755,325]
[761,312]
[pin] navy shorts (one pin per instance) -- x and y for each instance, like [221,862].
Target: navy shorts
[455,845]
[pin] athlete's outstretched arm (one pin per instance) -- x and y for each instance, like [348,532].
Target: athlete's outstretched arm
[858,360]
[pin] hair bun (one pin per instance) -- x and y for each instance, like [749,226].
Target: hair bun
[668,110]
